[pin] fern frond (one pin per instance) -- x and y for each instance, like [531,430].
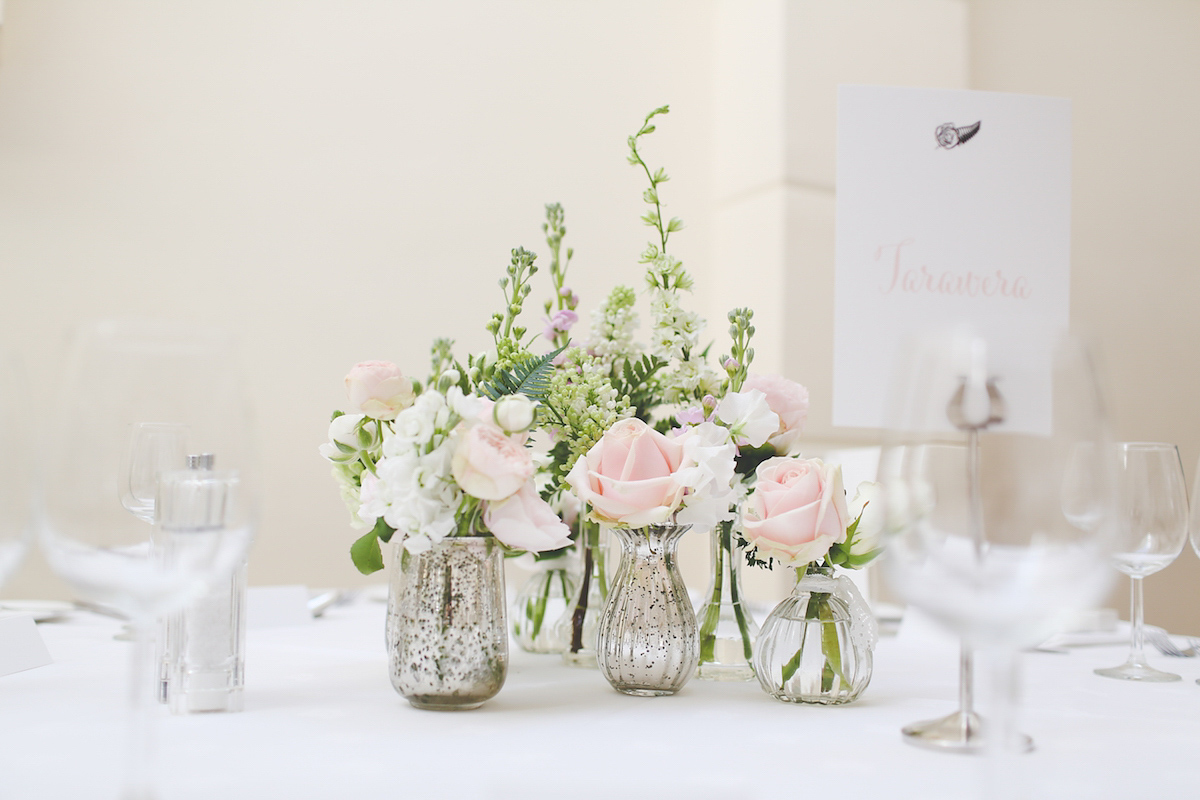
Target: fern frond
[530,376]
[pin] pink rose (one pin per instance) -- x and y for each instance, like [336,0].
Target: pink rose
[526,521]
[797,511]
[629,477]
[378,389]
[789,400]
[488,464]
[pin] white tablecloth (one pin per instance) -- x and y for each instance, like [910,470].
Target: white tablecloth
[322,721]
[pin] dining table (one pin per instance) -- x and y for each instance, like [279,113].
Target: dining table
[321,720]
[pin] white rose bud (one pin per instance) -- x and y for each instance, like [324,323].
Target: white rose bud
[868,508]
[514,413]
[346,438]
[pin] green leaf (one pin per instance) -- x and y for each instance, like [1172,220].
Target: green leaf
[383,530]
[366,554]
[789,669]
[529,376]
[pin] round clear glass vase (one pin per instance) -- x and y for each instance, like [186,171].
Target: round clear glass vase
[446,632]
[726,629]
[816,645]
[543,600]
[581,619]
[647,643]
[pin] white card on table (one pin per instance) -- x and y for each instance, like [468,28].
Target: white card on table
[277,607]
[953,212]
[21,646]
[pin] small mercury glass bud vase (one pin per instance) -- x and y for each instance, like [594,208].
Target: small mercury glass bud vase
[647,643]
[446,632]
[816,646]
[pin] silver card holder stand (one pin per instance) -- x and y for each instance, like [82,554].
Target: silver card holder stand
[201,648]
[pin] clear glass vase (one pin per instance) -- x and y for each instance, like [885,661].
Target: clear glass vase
[446,632]
[579,623]
[726,629]
[542,601]
[647,643]
[816,646]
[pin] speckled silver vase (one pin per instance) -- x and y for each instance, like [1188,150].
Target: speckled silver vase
[447,637]
[647,643]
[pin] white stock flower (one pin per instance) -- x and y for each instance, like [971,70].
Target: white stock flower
[709,478]
[749,417]
[467,406]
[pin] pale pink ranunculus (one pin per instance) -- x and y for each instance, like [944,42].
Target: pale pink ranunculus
[526,521]
[797,511]
[378,389]
[629,477]
[488,464]
[789,400]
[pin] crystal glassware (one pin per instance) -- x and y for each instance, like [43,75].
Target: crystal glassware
[581,619]
[15,526]
[998,486]
[542,601]
[726,628]
[647,643]
[117,376]
[446,631]
[1152,529]
[816,646]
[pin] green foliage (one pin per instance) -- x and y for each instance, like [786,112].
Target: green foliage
[366,553]
[515,286]
[634,380]
[529,375]
[737,364]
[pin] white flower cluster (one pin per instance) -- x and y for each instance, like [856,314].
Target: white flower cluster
[585,397]
[412,488]
[613,324]
[710,495]
[676,338]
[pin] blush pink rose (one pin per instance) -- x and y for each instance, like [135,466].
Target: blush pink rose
[797,511]
[526,521]
[488,464]
[629,476]
[378,389]
[789,400]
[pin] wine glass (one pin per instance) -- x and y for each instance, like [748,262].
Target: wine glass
[14,479]
[1194,517]
[121,375]
[1152,529]
[154,448]
[997,481]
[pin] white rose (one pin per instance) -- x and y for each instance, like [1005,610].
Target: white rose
[513,413]
[346,438]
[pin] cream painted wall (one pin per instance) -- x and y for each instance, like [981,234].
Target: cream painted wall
[338,180]
[1132,71]
[343,180]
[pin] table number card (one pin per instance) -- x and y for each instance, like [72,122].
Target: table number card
[953,211]
[21,646]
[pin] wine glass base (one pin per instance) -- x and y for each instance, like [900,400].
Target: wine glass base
[1138,672]
[955,733]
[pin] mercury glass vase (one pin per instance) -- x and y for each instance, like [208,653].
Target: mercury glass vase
[579,623]
[727,631]
[647,643]
[447,636]
[542,601]
[815,646]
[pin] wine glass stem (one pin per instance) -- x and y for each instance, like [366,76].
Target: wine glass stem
[139,764]
[966,683]
[1137,643]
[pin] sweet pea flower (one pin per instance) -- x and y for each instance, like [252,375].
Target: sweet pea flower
[630,477]
[798,510]
[489,465]
[789,400]
[561,322]
[378,389]
[749,417]
[526,522]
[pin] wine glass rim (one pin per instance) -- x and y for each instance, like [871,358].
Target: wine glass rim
[1147,446]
